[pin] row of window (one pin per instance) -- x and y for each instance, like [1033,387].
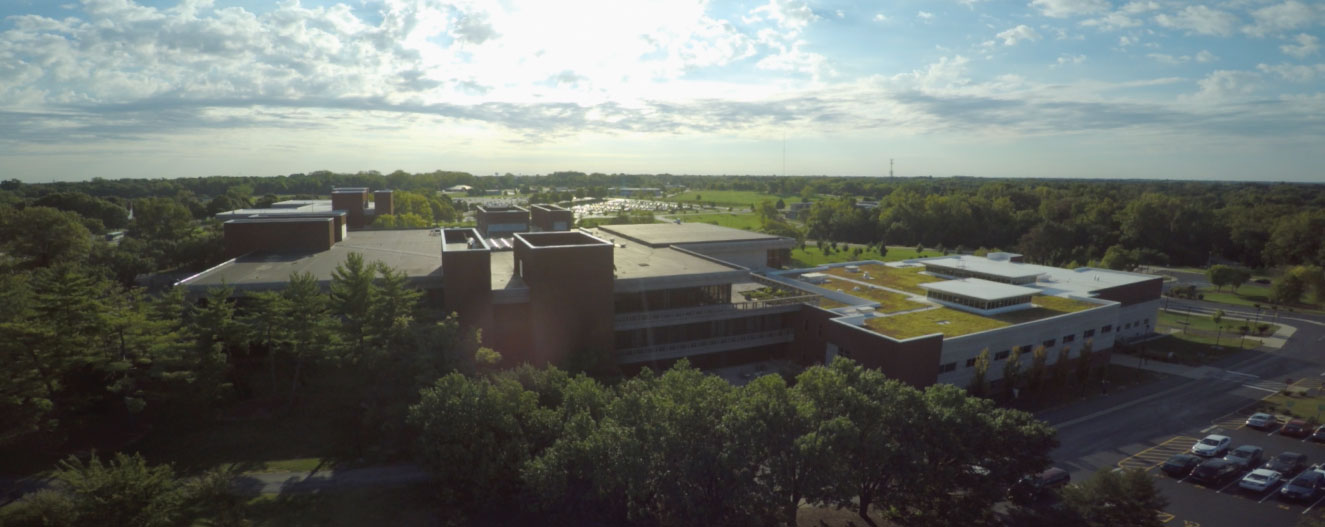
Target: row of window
[1003,355]
[976,303]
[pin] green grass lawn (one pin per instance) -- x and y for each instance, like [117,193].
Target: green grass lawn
[949,322]
[749,222]
[1251,294]
[1191,350]
[1302,404]
[814,257]
[735,198]
[900,278]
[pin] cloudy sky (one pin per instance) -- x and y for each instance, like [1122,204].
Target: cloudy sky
[1225,89]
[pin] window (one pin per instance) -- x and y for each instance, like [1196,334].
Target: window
[1069,338]
[1127,326]
[970,363]
[1106,329]
[1024,349]
[1050,343]
[945,368]
[1002,355]
[1088,334]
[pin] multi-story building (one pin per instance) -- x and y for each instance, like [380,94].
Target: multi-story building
[652,294]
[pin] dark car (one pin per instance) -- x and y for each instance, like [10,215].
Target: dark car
[1306,486]
[1247,456]
[1215,471]
[1319,434]
[1033,487]
[1288,463]
[1296,428]
[1180,465]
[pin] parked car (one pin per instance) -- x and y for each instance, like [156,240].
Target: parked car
[1288,463]
[1247,456]
[1260,420]
[1181,465]
[1036,486]
[1212,446]
[1215,472]
[1260,480]
[1306,486]
[1319,434]
[1296,428]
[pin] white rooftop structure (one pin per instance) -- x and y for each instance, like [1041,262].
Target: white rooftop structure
[1054,281]
[980,289]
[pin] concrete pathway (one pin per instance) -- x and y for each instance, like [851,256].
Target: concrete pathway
[317,481]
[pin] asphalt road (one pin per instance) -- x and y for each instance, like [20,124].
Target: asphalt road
[1166,416]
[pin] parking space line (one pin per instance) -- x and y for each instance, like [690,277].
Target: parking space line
[1268,493]
[1313,505]
[1154,456]
[1230,484]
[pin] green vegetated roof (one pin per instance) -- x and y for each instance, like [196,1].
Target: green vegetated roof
[1045,307]
[949,322]
[889,302]
[900,278]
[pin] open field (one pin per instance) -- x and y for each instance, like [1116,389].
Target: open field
[749,222]
[949,322]
[814,257]
[738,198]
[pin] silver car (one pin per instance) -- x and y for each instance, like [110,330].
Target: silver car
[1260,480]
[1213,445]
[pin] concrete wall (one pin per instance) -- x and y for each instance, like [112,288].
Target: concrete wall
[961,350]
[504,220]
[288,234]
[1133,293]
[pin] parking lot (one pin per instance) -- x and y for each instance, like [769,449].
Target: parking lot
[1195,505]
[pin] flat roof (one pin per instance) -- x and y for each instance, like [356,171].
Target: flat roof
[641,261]
[980,289]
[415,252]
[303,219]
[662,234]
[986,266]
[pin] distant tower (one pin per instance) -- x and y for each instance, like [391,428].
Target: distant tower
[890,167]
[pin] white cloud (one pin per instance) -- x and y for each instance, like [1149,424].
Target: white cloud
[1204,56]
[1021,33]
[925,15]
[880,17]
[1200,19]
[1163,58]
[788,14]
[1223,85]
[1125,41]
[1136,8]
[1287,16]
[1306,45]
[1070,8]
[1293,72]
[1064,60]
[840,13]
[1112,21]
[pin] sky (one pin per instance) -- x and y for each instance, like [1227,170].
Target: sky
[1167,89]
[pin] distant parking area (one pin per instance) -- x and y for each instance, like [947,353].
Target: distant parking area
[1226,505]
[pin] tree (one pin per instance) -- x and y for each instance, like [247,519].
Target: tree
[1221,275]
[1085,366]
[475,434]
[125,490]
[43,236]
[1011,374]
[1062,367]
[1118,258]
[1218,319]
[1288,288]
[780,204]
[308,324]
[1111,498]
[979,386]
[353,297]
[1039,370]
[775,435]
